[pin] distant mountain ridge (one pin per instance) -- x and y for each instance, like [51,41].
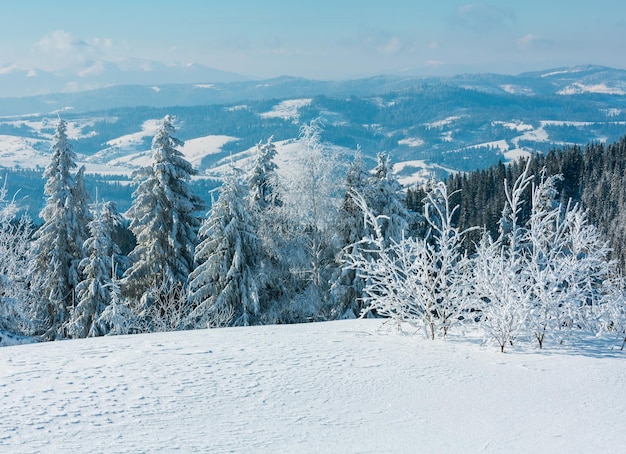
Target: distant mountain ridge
[430,126]
[211,86]
[21,82]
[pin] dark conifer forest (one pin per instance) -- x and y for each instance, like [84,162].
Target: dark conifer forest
[592,176]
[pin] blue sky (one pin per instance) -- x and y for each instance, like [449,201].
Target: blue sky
[318,39]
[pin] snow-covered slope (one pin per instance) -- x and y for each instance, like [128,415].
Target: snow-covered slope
[327,387]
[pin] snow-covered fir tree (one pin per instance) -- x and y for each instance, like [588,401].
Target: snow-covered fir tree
[58,243]
[262,178]
[347,286]
[117,318]
[385,197]
[79,200]
[224,286]
[163,217]
[270,226]
[93,292]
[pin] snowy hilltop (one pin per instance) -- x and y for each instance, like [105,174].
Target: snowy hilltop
[345,386]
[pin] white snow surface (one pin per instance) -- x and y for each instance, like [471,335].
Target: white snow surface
[516,89]
[413,142]
[441,123]
[20,152]
[347,386]
[578,88]
[197,149]
[287,109]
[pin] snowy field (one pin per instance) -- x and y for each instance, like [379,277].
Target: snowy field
[327,387]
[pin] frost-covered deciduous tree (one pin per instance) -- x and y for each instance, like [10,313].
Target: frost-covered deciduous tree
[500,290]
[567,264]
[310,194]
[549,283]
[226,280]
[15,268]
[383,268]
[58,243]
[93,292]
[447,281]
[591,272]
[163,217]
[611,318]
[166,310]
[415,280]
[383,194]
[546,277]
[501,297]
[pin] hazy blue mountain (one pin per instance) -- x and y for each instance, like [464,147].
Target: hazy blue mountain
[430,126]
[18,82]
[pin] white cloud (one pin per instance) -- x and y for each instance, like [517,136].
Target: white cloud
[483,17]
[533,42]
[59,41]
[60,50]
[96,69]
[391,46]
[385,43]
[8,69]
[434,63]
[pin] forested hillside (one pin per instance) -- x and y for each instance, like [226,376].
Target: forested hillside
[325,240]
[592,176]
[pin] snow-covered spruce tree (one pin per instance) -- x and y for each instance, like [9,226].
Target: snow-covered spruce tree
[58,243]
[79,200]
[15,269]
[385,196]
[264,205]
[310,195]
[117,318]
[347,287]
[163,218]
[262,178]
[223,288]
[500,292]
[93,292]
